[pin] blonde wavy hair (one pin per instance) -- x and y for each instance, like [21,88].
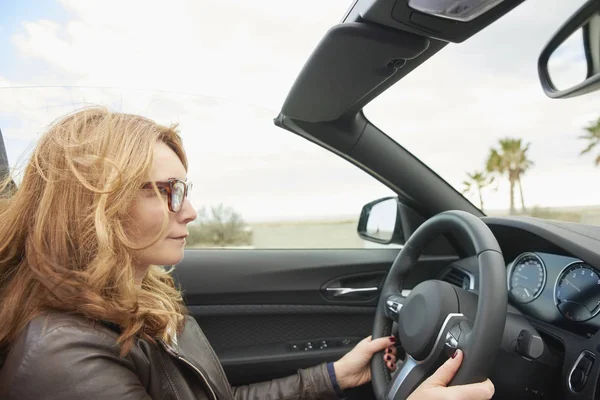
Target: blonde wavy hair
[63,239]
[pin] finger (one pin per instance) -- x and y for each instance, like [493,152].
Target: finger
[446,371]
[391,350]
[391,366]
[473,391]
[389,357]
[366,340]
[380,344]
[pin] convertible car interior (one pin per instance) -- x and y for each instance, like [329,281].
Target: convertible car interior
[519,295]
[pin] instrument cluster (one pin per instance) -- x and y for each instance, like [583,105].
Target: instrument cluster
[572,286]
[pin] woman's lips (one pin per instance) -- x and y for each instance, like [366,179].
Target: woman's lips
[180,239]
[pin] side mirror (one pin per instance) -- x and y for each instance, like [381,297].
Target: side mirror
[569,65]
[388,221]
[378,221]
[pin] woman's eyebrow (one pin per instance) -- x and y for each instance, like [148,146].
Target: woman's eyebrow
[171,178]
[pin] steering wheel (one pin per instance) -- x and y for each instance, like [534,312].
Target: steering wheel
[437,318]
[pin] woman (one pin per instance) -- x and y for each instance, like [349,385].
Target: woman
[88,311]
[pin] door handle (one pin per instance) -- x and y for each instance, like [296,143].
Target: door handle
[348,291]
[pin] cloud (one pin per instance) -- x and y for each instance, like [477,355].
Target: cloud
[222,69]
[223,48]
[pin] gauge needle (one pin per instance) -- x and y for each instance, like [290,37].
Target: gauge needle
[527,291]
[521,276]
[579,290]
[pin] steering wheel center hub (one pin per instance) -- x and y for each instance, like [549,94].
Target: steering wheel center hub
[423,315]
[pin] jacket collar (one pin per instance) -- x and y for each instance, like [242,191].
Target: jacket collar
[192,348]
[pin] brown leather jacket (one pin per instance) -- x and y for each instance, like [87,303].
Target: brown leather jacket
[66,357]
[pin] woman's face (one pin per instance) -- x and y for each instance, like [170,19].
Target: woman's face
[147,214]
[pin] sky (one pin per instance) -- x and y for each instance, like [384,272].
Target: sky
[222,69]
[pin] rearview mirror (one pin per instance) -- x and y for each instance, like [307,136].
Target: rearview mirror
[569,65]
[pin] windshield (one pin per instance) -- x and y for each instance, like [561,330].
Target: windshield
[484,95]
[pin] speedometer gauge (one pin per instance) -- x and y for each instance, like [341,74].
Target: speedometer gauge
[577,292]
[527,278]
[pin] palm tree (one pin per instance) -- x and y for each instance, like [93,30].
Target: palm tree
[477,181]
[593,136]
[510,159]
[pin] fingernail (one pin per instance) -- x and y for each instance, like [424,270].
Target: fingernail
[387,358]
[392,339]
[455,354]
[393,365]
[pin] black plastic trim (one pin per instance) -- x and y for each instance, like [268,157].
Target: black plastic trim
[580,241]
[398,15]
[351,60]
[271,309]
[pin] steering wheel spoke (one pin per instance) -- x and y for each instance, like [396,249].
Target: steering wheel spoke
[406,380]
[414,372]
[393,305]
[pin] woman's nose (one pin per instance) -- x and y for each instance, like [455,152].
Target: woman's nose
[187,212]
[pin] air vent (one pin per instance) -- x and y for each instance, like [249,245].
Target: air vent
[457,277]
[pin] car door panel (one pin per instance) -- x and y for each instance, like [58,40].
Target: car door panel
[274,276]
[255,305]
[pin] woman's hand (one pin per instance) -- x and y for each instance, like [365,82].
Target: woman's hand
[435,387]
[354,369]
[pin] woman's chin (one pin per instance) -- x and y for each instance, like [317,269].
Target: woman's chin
[173,259]
[169,253]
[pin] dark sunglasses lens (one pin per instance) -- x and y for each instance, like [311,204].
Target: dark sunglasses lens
[177,196]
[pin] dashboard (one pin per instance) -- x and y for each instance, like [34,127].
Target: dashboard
[560,290]
[553,281]
[553,271]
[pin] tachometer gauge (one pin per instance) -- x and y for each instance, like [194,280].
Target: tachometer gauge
[527,278]
[577,292]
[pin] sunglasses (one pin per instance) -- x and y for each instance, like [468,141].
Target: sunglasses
[175,190]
